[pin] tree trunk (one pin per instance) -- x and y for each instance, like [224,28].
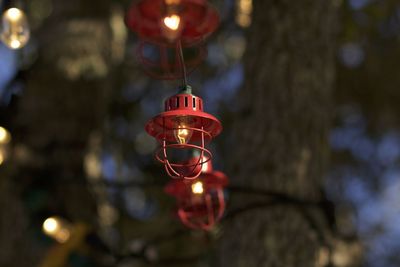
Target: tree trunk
[281,133]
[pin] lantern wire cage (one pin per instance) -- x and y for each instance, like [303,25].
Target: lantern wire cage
[184,170]
[205,214]
[184,126]
[200,209]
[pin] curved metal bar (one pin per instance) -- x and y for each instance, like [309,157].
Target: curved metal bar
[171,167]
[221,202]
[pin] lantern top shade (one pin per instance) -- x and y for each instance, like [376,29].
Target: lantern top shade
[189,107]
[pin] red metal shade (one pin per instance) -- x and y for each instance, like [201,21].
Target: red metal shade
[163,62]
[201,210]
[198,20]
[184,126]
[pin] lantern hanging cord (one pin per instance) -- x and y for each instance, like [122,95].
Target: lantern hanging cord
[182,64]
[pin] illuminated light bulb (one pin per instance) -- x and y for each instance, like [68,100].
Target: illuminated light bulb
[182,133]
[244,12]
[172,22]
[15,31]
[51,225]
[4,136]
[197,188]
[57,228]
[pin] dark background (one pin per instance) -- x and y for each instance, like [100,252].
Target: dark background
[308,97]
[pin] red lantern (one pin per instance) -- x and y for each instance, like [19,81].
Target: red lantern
[163,62]
[184,126]
[201,201]
[167,21]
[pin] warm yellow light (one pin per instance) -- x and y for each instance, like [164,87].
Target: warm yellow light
[246,6]
[51,225]
[92,165]
[63,235]
[197,188]
[57,229]
[182,134]
[243,20]
[1,157]
[205,166]
[15,44]
[172,2]
[4,136]
[15,28]
[172,22]
[14,14]
[244,12]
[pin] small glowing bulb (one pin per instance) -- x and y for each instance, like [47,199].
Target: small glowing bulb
[51,225]
[4,136]
[197,188]
[57,229]
[172,22]
[182,132]
[15,31]
[15,44]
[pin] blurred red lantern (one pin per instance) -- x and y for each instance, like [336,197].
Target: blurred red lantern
[168,21]
[163,61]
[184,126]
[201,202]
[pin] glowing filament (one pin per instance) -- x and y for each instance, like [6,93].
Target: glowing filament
[15,31]
[183,134]
[172,22]
[197,188]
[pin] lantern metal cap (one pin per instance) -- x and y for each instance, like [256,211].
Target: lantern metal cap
[187,105]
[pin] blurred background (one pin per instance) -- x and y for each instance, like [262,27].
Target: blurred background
[74,102]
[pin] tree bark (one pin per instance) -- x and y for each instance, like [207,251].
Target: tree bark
[280,132]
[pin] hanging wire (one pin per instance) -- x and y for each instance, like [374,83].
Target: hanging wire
[182,64]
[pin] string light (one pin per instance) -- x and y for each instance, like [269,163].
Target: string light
[181,127]
[172,22]
[244,11]
[57,228]
[168,21]
[197,188]
[201,202]
[15,31]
